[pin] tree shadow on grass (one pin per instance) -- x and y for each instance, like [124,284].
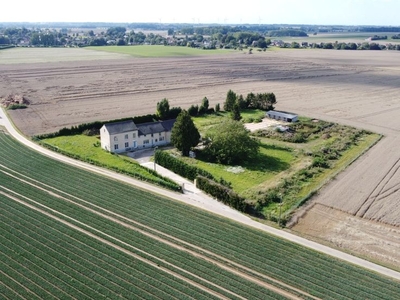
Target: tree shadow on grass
[261,162]
[265,163]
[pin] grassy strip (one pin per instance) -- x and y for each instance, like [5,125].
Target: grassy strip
[157,50]
[87,149]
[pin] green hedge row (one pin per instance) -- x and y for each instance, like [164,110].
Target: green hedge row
[6,46]
[95,125]
[160,180]
[179,167]
[221,193]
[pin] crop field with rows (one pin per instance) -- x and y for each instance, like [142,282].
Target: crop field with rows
[68,233]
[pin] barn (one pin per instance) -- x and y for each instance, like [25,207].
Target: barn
[282,116]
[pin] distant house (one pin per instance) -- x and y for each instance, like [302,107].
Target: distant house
[282,115]
[127,136]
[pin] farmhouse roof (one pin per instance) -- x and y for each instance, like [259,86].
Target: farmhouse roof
[282,114]
[155,127]
[168,124]
[120,127]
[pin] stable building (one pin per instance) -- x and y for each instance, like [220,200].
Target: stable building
[282,116]
[127,136]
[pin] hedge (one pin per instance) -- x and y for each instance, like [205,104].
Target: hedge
[221,193]
[179,167]
[95,125]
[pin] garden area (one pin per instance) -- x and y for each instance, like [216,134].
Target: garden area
[293,161]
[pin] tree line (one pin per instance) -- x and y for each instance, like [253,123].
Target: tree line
[341,46]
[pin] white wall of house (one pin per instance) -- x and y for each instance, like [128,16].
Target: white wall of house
[105,138]
[128,141]
[151,140]
[120,142]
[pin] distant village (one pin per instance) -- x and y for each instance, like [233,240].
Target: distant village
[209,37]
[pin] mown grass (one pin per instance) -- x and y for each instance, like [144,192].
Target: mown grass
[87,148]
[270,161]
[207,121]
[157,50]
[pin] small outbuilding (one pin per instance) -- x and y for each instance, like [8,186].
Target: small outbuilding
[282,116]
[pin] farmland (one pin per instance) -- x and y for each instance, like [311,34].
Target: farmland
[357,88]
[55,233]
[157,51]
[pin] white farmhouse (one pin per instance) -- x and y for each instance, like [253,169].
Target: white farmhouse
[282,116]
[127,136]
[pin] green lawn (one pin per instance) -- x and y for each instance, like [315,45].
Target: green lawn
[205,122]
[87,148]
[157,50]
[270,162]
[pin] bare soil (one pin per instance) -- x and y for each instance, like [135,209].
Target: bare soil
[375,241]
[358,88]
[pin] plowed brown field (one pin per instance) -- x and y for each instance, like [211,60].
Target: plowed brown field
[359,88]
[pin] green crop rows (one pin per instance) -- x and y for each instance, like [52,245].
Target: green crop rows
[61,258]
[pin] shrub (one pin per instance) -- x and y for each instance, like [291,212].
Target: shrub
[221,193]
[16,106]
[193,110]
[320,162]
[179,167]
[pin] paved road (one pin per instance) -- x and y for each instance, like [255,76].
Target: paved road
[200,200]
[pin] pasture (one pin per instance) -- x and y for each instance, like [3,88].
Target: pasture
[60,223]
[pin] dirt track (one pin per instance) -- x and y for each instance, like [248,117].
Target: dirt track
[352,87]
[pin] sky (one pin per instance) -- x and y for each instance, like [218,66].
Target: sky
[321,12]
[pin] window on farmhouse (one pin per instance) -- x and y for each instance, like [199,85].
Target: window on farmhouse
[146,142]
[134,135]
[161,138]
[115,147]
[115,139]
[126,136]
[126,145]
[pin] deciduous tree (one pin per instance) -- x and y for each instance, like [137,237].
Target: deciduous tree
[230,142]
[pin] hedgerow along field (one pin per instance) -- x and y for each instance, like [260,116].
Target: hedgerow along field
[114,222]
[158,51]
